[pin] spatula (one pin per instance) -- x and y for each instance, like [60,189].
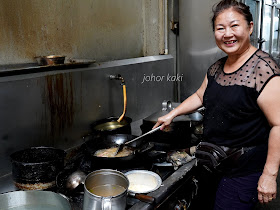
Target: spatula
[120,147]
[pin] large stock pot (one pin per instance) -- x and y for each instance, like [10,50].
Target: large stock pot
[177,134]
[105,189]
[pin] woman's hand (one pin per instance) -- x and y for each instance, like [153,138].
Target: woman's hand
[189,105]
[164,121]
[267,188]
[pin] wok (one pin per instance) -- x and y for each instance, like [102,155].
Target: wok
[109,141]
[109,126]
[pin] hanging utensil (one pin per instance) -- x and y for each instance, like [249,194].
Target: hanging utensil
[120,147]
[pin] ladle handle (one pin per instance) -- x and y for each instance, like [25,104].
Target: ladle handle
[151,131]
[145,198]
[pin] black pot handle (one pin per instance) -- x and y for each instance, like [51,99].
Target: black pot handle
[146,147]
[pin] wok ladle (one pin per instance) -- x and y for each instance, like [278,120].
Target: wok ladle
[120,147]
[75,179]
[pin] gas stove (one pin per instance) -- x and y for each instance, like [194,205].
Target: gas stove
[169,196]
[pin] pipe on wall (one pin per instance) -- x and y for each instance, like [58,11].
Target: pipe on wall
[165,28]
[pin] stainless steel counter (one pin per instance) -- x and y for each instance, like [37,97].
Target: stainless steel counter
[7,184]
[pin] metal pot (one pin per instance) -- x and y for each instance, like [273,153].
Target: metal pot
[179,130]
[105,189]
[179,133]
[33,200]
[36,168]
[50,60]
[109,126]
[197,122]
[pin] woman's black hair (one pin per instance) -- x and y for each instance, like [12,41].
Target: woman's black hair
[236,6]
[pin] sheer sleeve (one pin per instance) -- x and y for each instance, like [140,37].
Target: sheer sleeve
[266,69]
[255,73]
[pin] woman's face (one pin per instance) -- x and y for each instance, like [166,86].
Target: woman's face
[232,32]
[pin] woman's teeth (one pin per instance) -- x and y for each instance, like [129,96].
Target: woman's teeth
[230,42]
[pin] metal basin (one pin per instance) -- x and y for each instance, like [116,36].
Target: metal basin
[33,200]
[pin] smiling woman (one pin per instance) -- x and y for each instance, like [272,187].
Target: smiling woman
[232,34]
[242,111]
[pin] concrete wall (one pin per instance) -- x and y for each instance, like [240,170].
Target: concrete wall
[197,49]
[102,30]
[55,108]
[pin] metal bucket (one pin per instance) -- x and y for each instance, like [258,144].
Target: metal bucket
[105,189]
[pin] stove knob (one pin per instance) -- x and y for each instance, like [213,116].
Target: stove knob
[183,205]
[177,207]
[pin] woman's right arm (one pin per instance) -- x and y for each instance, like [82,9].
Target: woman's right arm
[189,105]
